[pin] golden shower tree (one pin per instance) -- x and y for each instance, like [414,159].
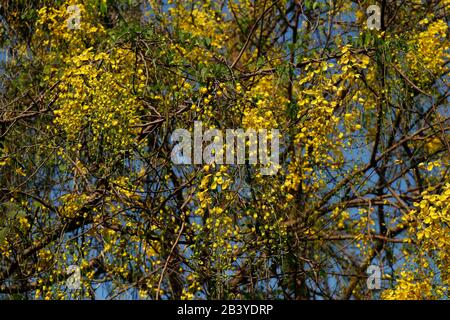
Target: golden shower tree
[91,91]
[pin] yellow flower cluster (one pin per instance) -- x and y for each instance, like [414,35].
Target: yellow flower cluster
[322,133]
[429,227]
[267,102]
[99,100]
[429,52]
[52,32]
[97,105]
[408,288]
[201,21]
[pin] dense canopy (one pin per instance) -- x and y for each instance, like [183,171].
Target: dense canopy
[91,91]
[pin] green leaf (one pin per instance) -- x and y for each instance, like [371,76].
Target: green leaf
[3,234]
[103,7]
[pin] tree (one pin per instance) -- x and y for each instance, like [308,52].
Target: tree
[93,89]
